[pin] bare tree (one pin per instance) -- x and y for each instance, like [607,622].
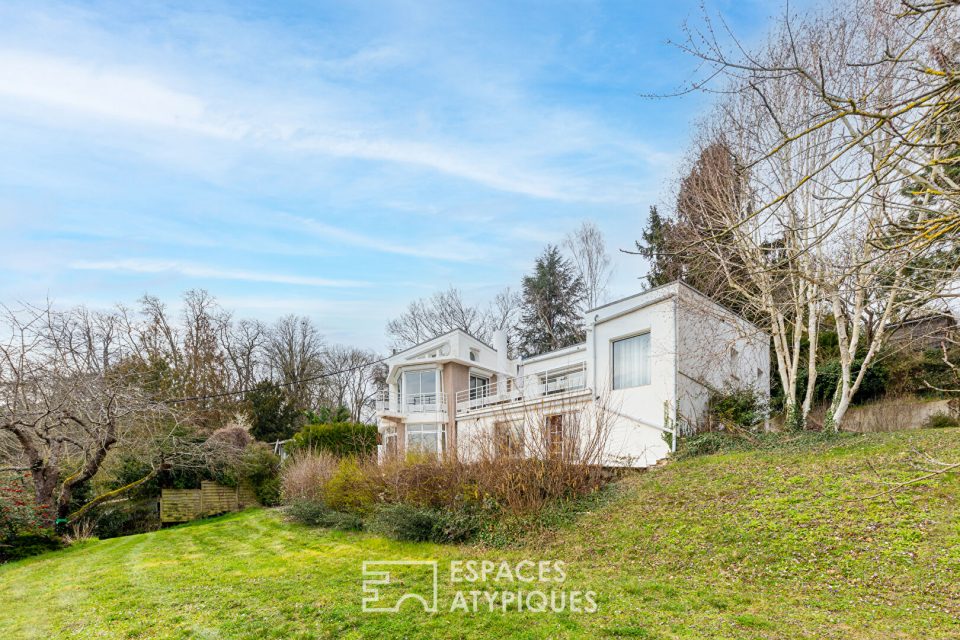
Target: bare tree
[295,355]
[66,401]
[588,251]
[244,343]
[351,378]
[829,128]
[444,311]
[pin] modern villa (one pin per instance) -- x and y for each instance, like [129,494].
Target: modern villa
[644,373]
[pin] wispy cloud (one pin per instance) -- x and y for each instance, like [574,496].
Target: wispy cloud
[134,96]
[449,248]
[201,271]
[102,91]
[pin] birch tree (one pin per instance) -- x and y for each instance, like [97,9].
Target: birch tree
[839,127]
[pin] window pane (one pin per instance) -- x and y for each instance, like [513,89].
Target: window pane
[411,382]
[478,387]
[631,362]
[424,438]
[428,381]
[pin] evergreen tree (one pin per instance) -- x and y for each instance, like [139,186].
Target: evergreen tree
[273,415]
[663,266]
[552,305]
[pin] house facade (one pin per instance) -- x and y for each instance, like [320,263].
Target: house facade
[644,373]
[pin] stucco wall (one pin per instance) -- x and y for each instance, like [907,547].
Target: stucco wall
[717,351]
[456,377]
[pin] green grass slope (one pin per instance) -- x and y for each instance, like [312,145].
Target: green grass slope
[761,544]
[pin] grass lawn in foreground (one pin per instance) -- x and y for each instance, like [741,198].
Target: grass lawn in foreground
[759,544]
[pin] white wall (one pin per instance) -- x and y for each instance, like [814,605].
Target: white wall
[718,351]
[646,313]
[690,352]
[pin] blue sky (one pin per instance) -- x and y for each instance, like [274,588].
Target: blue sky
[333,160]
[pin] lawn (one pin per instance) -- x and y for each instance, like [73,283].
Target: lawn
[759,544]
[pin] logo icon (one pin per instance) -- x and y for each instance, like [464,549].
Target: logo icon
[396,581]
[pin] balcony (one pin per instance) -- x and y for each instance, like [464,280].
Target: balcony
[551,382]
[397,404]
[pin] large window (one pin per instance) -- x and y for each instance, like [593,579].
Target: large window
[478,386]
[426,438]
[420,387]
[631,362]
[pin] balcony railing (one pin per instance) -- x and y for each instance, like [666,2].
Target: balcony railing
[411,403]
[536,385]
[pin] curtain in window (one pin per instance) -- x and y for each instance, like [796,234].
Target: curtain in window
[631,362]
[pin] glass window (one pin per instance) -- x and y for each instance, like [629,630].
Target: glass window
[425,438]
[478,387]
[631,362]
[420,387]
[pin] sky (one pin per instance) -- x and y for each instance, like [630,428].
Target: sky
[334,160]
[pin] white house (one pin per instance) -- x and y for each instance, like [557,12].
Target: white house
[645,371]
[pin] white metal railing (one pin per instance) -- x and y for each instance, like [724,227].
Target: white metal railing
[535,385]
[408,403]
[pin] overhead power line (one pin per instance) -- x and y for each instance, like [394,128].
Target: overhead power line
[240,392]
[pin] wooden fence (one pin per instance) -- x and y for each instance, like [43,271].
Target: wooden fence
[182,505]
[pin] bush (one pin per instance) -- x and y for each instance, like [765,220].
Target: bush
[349,489]
[459,525]
[126,518]
[28,544]
[261,468]
[317,514]
[702,444]
[305,475]
[19,513]
[406,522]
[341,439]
[941,421]
[739,408]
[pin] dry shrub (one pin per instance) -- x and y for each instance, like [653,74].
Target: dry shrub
[306,474]
[534,472]
[516,485]
[524,479]
[423,481]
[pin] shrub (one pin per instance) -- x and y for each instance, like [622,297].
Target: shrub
[126,518]
[941,421]
[341,439]
[19,513]
[28,544]
[406,522]
[305,475]
[317,514]
[229,439]
[423,481]
[458,525]
[261,468]
[349,489]
[325,415]
[738,408]
[22,531]
[702,444]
